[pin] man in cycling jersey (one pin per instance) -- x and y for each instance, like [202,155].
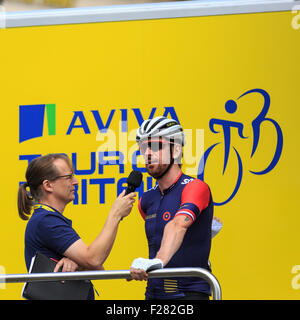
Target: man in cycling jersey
[178,214]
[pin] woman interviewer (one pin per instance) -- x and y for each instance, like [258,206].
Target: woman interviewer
[49,187]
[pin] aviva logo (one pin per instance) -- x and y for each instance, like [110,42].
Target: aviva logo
[32,121]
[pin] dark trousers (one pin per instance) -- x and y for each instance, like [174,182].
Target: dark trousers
[194,296]
[191,295]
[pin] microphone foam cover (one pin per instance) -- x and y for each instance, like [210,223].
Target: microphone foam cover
[135,178]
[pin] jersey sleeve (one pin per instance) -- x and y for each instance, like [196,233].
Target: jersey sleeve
[194,199]
[56,234]
[143,214]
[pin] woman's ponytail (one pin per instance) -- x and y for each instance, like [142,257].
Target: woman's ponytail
[25,202]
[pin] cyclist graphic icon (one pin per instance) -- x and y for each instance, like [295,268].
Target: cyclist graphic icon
[227,127]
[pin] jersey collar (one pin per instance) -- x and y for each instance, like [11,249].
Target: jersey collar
[165,191]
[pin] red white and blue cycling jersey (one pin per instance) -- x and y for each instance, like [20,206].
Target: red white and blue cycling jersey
[186,196]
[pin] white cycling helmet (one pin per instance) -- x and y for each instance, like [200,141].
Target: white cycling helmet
[161,127]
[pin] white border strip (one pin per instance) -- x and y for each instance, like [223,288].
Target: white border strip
[143,12]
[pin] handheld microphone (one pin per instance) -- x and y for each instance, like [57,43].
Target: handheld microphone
[134,180]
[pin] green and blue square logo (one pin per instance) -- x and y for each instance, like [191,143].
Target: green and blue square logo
[32,120]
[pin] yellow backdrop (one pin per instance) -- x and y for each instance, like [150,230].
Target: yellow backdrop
[185,67]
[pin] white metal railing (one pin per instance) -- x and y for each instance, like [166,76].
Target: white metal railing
[116,274]
[144,11]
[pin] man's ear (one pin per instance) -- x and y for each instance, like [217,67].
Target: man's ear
[47,186]
[177,152]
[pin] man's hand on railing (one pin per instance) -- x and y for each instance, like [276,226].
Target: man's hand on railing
[140,266]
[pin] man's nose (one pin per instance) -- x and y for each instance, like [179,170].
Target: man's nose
[148,153]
